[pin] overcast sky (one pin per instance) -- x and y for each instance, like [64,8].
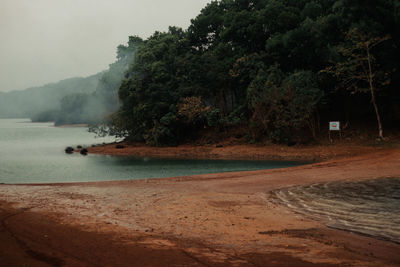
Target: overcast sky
[46,41]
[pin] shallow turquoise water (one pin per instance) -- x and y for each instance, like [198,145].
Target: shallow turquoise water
[34,153]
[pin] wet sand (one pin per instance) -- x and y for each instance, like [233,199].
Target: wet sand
[212,220]
[231,150]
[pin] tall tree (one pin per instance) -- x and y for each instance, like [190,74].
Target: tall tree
[360,71]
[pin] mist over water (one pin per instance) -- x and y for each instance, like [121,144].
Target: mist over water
[368,207]
[34,153]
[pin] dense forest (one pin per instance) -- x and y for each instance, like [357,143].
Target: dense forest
[266,69]
[274,70]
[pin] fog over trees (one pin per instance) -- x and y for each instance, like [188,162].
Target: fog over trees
[71,101]
[31,101]
[273,70]
[262,66]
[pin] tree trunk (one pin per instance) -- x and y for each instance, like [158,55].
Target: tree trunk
[312,125]
[221,102]
[371,87]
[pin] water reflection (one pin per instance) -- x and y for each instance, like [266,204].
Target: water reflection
[34,153]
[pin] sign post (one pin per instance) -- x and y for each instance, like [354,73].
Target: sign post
[334,126]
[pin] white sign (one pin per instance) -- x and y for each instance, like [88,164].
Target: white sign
[334,126]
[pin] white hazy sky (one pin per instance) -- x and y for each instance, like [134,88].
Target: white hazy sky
[46,41]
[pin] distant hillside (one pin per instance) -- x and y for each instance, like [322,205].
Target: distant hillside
[25,103]
[95,105]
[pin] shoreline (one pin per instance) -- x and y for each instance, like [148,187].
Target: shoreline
[215,219]
[78,125]
[317,153]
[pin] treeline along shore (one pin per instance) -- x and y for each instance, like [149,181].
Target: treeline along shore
[265,70]
[247,71]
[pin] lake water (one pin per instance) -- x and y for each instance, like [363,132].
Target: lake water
[368,207]
[34,153]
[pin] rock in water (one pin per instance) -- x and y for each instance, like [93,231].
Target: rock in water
[69,150]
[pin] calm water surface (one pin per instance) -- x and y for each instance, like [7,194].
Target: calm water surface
[369,207]
[34,153]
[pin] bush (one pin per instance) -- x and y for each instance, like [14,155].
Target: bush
[282,108]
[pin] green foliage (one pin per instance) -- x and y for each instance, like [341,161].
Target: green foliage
[212,117]
[359,66]
[359,70]
[282,107]
[150,93]
[251,64]
[191,110]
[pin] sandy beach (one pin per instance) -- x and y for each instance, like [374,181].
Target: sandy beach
[226,219]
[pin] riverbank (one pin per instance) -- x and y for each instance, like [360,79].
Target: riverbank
[216,219]
[72,125]
[238,151]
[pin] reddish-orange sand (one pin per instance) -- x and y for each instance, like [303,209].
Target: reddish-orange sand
[227,219]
